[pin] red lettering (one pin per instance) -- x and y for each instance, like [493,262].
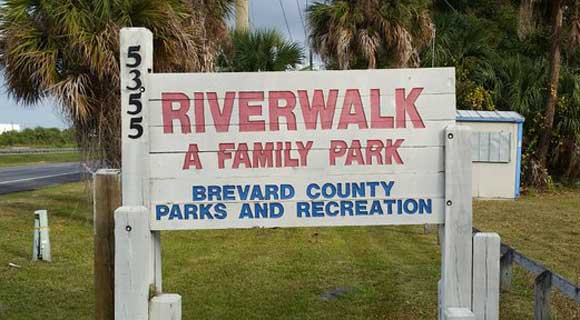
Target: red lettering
[373,149]
[192,158]
[221,118]
[378,121]
[199,112]
[354,154]
[407,105]
[303,151]
[241,157]
[392,152]
[337,149]
[247,110]
[263,158]
[224,153]
[318,108]
[276,110]
[169,114]
[352,99]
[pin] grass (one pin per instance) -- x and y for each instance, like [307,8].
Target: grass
[37,158]
[277,273]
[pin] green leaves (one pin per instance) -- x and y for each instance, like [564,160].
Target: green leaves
[260,50]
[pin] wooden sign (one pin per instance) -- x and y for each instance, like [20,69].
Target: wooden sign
[288,149]
[295,149]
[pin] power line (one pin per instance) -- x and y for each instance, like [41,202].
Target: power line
[286,20]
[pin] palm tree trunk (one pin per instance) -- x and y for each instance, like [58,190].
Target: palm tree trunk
[546,136]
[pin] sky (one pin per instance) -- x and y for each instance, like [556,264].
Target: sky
[263,14]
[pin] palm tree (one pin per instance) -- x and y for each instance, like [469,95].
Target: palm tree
[369,33]
[69,50]
[261,50]
[557,13]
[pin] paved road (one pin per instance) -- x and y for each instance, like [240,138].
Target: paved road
[15,179]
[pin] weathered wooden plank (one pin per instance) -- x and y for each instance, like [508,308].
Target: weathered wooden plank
[41,239]
[542,286]
[136,62]
[486,248]
[506,270]
[456,242]
[132,263]
[433,80]
[106,198]
[459,314]
[173,165]
[406,185]
[165,307]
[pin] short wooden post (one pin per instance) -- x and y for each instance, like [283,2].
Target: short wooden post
[459,314]
[165,307]
[41,238]
[133,257]
[506,270]
[456,240]
[542,286]
[486,251]
[107,198]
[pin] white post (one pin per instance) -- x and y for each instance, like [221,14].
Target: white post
[136,63]
[486,255]
[132,263]
[41,240]
[165,307]
[456,241]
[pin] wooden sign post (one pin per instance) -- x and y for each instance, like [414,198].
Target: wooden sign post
[286,149]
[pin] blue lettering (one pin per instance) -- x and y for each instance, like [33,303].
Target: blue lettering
[220,211]
[361,207]
[256,193]
[229,193]
[318,209]
[389,203]
[261,210]
[410,206]
[425,206]
[246,211]
[214,192]
[303,208]
[243,191]
[205,211]
[190,210]
[346,208]
[309,188]
[175,212]
[387,187]
[161,210]
[376,208]
[358,189]
[328,190]
[198,193]
[328,211]
[276,210]
[286,191]
[271,191]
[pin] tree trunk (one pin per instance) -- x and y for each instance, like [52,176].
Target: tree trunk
[552,87]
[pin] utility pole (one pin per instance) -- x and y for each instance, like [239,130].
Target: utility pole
[242,16]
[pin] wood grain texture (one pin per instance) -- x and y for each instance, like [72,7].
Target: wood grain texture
[459,314]
[132,263]
[457,236]
[135,152]
[486,255]
[107,198]
[165,307]
[542,287]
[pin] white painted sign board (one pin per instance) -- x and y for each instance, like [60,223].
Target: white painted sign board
[286,149]
[297,149]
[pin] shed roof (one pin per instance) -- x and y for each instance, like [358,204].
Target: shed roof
[488,116]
